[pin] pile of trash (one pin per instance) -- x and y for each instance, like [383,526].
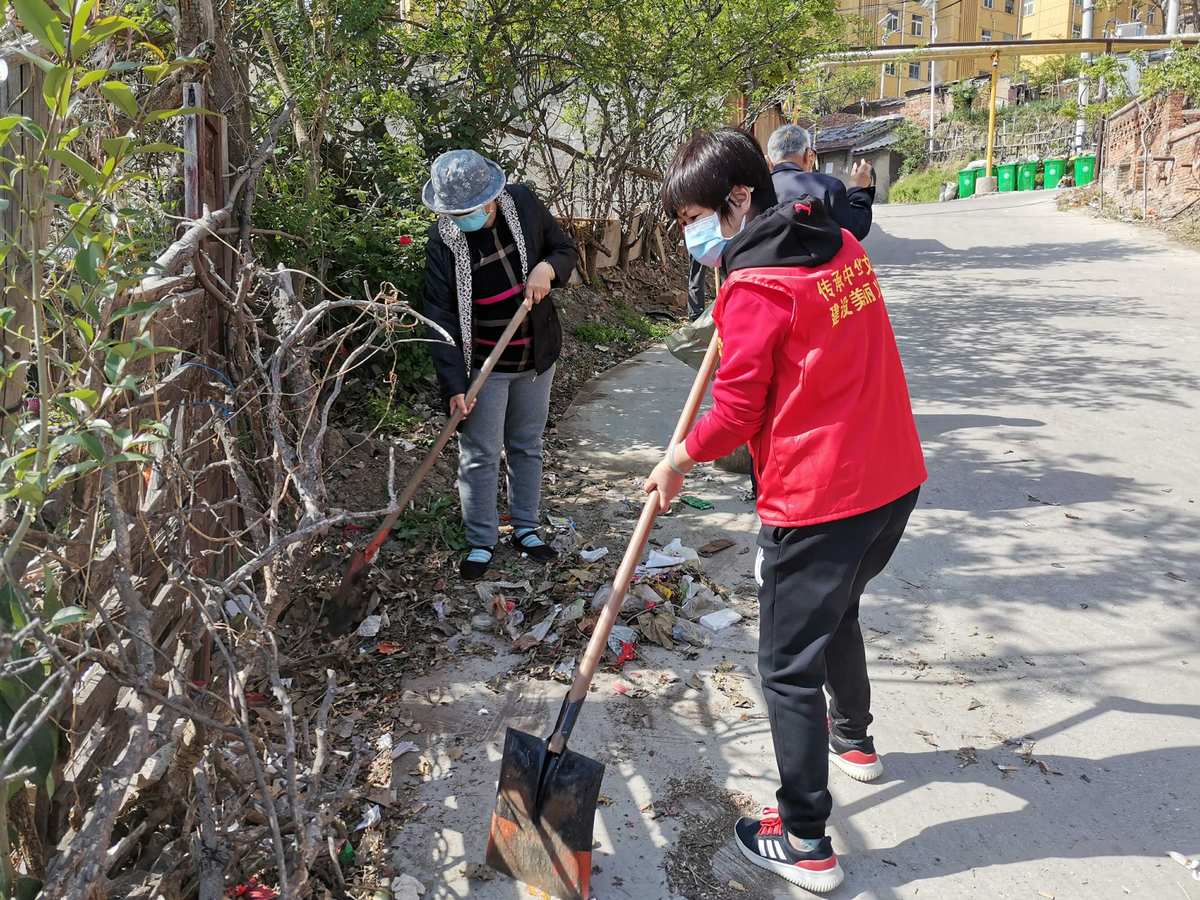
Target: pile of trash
[669,603]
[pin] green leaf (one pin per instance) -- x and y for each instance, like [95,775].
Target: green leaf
[100,31]
[159,147]
[86,261]
[83,12]
[129,456]
[51,601]
[42,22]
[117,146]
[79,166]
[7,124]
[79,468]
[56,89]
[68,615]
[118,93]
[90,78]
[27,888]
[89,333]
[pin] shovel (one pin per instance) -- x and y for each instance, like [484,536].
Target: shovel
[340,617]
[546,802]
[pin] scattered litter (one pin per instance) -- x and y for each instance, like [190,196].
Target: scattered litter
[676,548]
[696,503]
[690,633]
[371,816]
[619,637]
[559,521]
[695,681]
[439,607]
[967,757]
[927,738]
[387,648]
[489,590]
[627,654]
[383,742]
[629,603]
[241,604]
[660,560]
[1191,863]
[1006,770]
[370,626]
[1174,576]
[712,548]
[404,747]
[255,889]
[566,667]
[737,886]
[537,634]
[591,556]
[974,704]
[700,602]
[405,887]
[1046,894]
[483,711]
[722,618]
[731,687]
[482,621]
[575,611]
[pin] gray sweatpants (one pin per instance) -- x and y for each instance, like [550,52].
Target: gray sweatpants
[510,415]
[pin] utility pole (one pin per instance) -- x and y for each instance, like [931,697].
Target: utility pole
[933,73]
[1173,17]
[1089,17]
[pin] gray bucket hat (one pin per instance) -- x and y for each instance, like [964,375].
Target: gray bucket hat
[461,181]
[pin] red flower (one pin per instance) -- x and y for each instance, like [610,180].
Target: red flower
[405,240]
[252,890]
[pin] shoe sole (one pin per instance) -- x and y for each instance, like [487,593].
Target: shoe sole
[857,771]
[817,882]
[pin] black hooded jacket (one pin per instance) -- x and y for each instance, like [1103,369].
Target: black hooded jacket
[850,209]
[795,233]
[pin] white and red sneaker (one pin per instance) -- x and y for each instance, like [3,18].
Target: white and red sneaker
[763,842]
[857,759]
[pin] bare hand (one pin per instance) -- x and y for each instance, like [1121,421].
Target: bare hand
[667,482]
[458,403]
[537,286]
[862,174]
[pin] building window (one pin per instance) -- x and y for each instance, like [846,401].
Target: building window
[1007,37]
[1010,6]
[1076,31]
[1027,8]
[918,26]
[985,35]
[989,4]
[828,168]
[892,21]
[890,68]
[914,71]
[1149,17]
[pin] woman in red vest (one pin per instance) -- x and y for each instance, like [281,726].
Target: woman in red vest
[811,379]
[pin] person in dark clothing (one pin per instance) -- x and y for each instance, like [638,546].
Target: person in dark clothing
[495,247]
[811,378]
[794,174]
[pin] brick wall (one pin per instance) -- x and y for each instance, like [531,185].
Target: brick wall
[1151,156]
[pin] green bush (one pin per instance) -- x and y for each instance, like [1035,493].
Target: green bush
[921,187]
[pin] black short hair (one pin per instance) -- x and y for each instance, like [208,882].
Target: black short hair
[706,168]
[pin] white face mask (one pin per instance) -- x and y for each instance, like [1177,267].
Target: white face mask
[705,240]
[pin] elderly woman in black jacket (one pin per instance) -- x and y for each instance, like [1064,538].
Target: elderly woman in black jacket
[495,246]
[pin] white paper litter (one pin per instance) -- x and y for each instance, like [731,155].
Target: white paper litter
[404,747]
[660,560]
[559,521]
[383,742]
[483,711]
[566,667]
[542,628]
[487,590]
[722,618]
[676,548]
[239,605]
[370,626]
[371,816]
[591,556]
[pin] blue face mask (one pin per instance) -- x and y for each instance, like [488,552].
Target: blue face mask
[471,221]
[704,239]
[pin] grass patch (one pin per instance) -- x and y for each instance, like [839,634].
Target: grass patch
[437,526]
[602,333]
[921,187]
[390,415]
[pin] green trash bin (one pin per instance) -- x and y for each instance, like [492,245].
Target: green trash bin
[966,182]
[1027,176]
[1055,168]
[1006,177]
[1085,170]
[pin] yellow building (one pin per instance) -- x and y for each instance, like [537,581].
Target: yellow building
[901,23]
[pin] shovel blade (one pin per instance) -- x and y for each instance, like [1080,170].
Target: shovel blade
[545,811]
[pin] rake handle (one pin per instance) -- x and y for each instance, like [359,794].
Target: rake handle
[362,558]
[590,661]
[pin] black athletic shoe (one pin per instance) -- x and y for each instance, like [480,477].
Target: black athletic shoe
[474,566]
[763,842]
[857,759]
[527,543]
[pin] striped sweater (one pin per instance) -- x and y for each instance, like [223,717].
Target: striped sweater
[497,292]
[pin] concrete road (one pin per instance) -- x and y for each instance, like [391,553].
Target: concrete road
[1035,646]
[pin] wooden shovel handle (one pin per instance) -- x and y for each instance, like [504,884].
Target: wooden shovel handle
[362,559]
[637,545]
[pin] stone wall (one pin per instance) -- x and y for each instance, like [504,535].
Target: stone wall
[1150,157]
